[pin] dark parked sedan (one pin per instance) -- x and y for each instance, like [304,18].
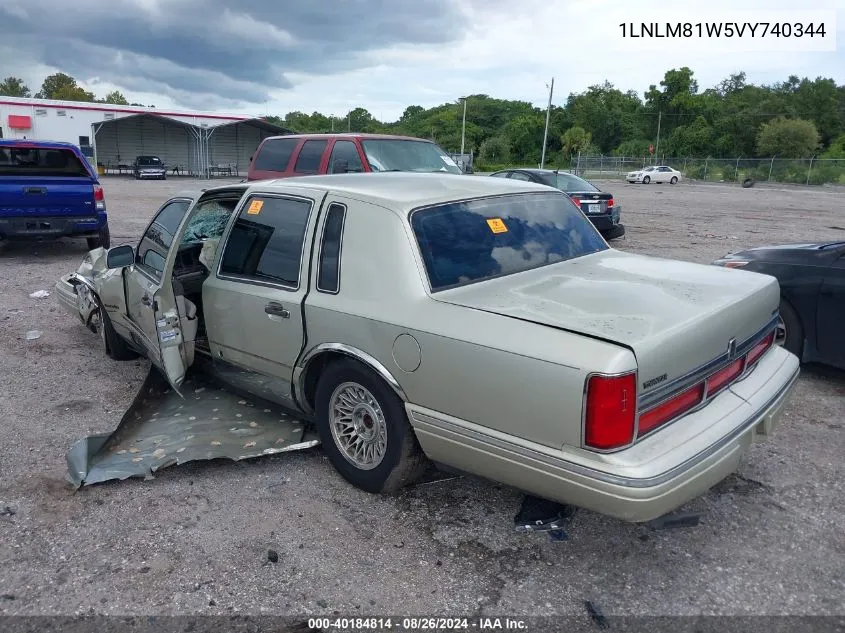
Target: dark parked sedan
[812,287]
[596,204]
[149,167]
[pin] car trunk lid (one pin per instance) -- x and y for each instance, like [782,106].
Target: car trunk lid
[676,317]
[592,202]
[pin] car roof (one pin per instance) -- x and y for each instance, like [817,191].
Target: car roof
[25,142]
[535,170]
[349,135]
[404,191]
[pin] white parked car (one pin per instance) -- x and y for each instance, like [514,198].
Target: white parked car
[654,173]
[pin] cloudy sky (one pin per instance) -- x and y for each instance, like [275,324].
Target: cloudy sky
[274,56]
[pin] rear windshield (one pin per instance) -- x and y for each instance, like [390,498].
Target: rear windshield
[571,184]
[34,161]
[404,155]
[149,161]
[465,242]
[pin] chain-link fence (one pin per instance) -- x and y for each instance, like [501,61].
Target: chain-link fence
[804,171]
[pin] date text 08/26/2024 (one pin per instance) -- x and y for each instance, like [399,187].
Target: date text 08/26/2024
[338,624]
[721,29]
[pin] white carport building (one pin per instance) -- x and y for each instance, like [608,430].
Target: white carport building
[201,144]
[204,150]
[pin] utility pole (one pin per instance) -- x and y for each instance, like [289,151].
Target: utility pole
[657,145]
[463,129]
[546,130]
[332,123]
[349,122]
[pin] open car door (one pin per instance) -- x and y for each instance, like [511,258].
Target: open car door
[176,318]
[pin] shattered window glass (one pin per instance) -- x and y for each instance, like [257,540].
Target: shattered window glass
[209,220]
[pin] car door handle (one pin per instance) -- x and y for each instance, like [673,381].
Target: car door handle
[146,300]
[275,308]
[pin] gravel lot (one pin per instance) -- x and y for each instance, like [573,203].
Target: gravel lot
[195,539]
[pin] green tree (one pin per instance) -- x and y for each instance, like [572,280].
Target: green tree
[63,88]
[14,87]
[691,140]
[634,147]
[495,151]
[788,138]
[115,97]
[574,140]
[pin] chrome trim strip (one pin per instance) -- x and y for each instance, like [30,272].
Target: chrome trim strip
[618,480]
[660,394]
[300,369]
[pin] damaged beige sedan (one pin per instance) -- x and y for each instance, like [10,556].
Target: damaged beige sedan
[482,324]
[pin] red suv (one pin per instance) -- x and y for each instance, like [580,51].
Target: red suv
[304,154]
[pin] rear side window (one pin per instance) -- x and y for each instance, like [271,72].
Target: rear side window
[308,161]
[266,242]
[465,242]
[328,272]
[35,161]
[275,154]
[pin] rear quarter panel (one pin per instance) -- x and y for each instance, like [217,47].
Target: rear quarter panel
[507,376]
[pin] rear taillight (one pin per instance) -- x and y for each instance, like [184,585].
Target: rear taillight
[576,202]
[99,198]
[610,203]
[670,409]
[724,377]
[759,349]
[611,408]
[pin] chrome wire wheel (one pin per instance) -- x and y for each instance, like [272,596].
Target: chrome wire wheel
[780,332]
[357,425]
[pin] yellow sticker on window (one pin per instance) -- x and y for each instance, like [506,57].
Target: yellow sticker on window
[497,225]
[255,207]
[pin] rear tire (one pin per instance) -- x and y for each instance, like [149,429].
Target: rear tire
[674,180]
[646,180]
[103,239]
[356,407]
[115,347]
[792,336]
[615,232]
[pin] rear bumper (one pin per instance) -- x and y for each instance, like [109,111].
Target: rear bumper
[605,222]
[635,488]
[49,227]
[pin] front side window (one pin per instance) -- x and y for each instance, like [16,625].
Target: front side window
[267,240]
[466,242]
[345,158]
[156,241]
[209,219]
[407,155]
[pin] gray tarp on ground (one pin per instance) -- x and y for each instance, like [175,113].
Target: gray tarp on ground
[161,429]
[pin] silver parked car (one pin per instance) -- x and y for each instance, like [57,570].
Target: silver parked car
[481,323]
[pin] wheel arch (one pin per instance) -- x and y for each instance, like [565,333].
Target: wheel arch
[313,363]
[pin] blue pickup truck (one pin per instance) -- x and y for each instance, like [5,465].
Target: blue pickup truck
[49,190]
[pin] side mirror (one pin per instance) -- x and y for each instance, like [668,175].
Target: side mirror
[340,166]
[120,256]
